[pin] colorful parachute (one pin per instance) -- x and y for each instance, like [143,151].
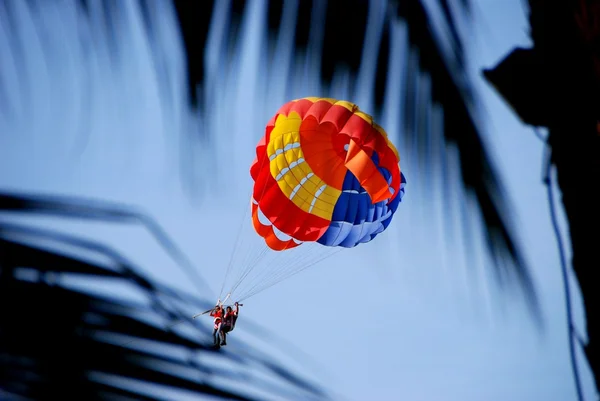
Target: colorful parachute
[324,172]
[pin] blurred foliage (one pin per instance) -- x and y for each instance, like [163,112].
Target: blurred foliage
[63,337]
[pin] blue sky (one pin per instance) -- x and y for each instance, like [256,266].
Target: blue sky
[413,315]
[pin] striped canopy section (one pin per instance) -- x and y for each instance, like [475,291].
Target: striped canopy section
[325,172]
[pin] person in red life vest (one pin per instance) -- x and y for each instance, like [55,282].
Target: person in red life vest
[217,313]
[228,323]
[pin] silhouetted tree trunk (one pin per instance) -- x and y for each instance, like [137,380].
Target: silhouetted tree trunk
[555,85]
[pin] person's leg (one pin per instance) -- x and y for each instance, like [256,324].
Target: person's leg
[216,333]
[224,330]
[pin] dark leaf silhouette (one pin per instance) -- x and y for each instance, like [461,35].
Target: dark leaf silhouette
[450,88]
[518,79]
[562,70]
[59,340]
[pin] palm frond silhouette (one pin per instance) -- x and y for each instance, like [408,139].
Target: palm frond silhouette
[62,338]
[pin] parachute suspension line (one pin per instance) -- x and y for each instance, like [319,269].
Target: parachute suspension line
[235,247]
[259,257]
[250,267]
[265,281]
[257,289]
[250,256]
[248,260]
[295,264]
[264,272]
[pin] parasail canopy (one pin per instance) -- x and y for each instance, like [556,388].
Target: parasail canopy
[324,172]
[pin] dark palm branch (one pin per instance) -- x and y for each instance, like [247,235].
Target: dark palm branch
[554,84]
[63,338]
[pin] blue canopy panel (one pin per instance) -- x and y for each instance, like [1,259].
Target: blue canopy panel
[355,219]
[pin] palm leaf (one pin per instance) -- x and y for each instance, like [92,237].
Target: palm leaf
[60,337]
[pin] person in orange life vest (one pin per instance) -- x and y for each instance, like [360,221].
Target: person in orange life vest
[228,323]
[217,313]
